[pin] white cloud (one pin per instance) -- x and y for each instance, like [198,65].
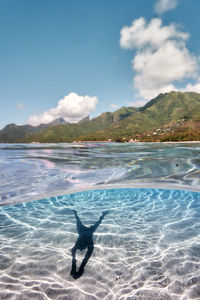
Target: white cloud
[72,108]
[21,106]
[162,6]
[114,106]
[192,87]
[161,56]
[140,34]
[136,103]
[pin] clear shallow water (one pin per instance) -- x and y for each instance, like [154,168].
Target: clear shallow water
[34,171]
[147,247]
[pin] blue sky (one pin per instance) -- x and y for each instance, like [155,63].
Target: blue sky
[68,58]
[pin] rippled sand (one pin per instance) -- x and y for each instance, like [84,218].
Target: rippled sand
[147,247]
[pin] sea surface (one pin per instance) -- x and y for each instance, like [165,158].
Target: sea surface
[34,171]
[146,247]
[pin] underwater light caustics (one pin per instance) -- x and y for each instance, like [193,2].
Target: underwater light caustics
[147,247]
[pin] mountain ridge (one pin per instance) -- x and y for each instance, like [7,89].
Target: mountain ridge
[177,111]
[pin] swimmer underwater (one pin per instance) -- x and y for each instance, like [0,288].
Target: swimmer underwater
[85,240]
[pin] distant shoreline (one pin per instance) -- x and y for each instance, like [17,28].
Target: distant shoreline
[166,142]
[108,142]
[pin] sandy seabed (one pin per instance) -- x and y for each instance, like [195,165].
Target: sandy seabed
[147,246]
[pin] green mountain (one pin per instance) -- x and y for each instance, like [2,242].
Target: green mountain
[71,132]
[165,111]
[13,133]
[170,116]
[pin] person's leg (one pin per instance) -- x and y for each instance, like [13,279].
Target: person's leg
[73,251]
[73,269]
[85,260]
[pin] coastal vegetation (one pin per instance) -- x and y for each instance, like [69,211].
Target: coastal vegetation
[173,116]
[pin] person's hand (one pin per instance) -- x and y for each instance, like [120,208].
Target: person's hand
[105,212]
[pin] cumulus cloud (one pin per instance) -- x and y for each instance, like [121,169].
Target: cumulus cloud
[192,87]
[161,56]
[71,108]
[137,103]
[162,6]
[154,35]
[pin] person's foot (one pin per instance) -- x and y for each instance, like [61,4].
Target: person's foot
[75,275]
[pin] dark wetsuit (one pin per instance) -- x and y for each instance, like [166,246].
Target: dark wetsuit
[85,240]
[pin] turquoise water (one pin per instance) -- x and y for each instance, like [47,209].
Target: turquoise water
[147,246]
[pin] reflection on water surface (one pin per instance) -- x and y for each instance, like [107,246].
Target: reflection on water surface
[32,171]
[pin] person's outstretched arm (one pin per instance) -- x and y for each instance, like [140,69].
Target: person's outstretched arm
[96,225]
[79,224]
